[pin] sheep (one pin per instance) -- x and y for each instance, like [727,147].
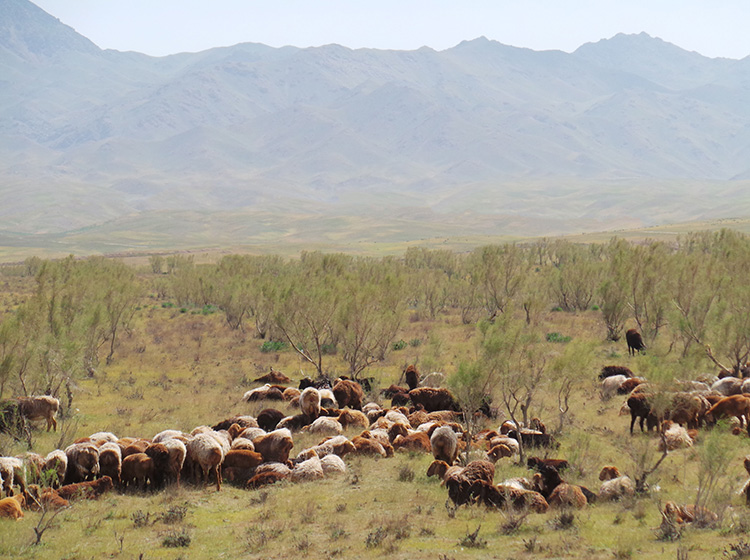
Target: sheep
[110,461]
[640,408]
[611,385]
[310,469]
[689,514]
[635,342]
[348,417]
[332,465]
[433,399]
[12,472]
[461,482]
[269,418]
[616,488]
[497,452]
[675,437]
[83,462]
[293,423]
[244,421]
[47,499]
[90,490]
[10,509]
[239,465]
[727,386]
[509,442]
[327,399]
[177,453]
[34,465]
[137,470]
[338,445]
[609,371]
[309,403]
[206,453]
[252,433]
[503,497]
[444,444]
[290,393]
[273,377]
[348,393]
[243,443]
[609,472]
[368,446]
[325,425]
[266,392]
[567,495]
[138,446]
[162,468]
[275,446]
[533,438]
[261,479]
[103,437]
[40,408]
[537,464]
[434,379]
[629,385]
[56,462]
[411,375]
[418,441]
[733,405]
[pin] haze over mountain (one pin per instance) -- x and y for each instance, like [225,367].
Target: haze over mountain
[479,138]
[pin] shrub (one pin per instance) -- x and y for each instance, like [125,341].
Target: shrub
[175,539]
[273,346]
[557,337]
[414,342]
[472,540]
[399,345]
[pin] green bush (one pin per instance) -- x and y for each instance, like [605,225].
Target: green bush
[414,342]
[557,337]
[273,346]
[400,345]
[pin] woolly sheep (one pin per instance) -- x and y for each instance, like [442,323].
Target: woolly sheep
[57,462]
[103,437]
[332,465]
[325,425]
[616,488]
[83,462]
[177,453]
[10,509]
[275,446]
[41,407]
[444,443]
[207,454]
[110,461]
[12,472]
[167,434]
[675,436]
[309,402]
[243,443]
[327,399]
[610,385]
[728,386]
[311,469]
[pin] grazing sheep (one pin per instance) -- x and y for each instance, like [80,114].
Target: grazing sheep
[348,418]
[498,452]
[629,385]
[206,453]
[244,421]
[327,399]
[616,488]
[273,376]
[325,425]
[309,403]
[567,495]
[138,446]
[733,405]
[275,446]
[417,441]
[348,393]
[310,469]
[47,499]
[291,393]
[269,418]
[265,478]
[243,443]
[609,371]
[100,438]
[533,438]
[369,446]
[611,386]
[294,423]
[40,408]
[90,490]
[12,472]
[537,464]
[266,392]
[10,509]
[640,408]
[433,399]
[411,375]
[635,342]
[675,437]
[83,462]
[242,459]
[56,462]
[162,469]
[166,434]
[509,442]
[338,445]
[461,482]
[444,444]
[177,453]
[728,386]
[689,514]
[609,472]
[504,497]
[137,471]
[110,461]
[434,379]
[333,465]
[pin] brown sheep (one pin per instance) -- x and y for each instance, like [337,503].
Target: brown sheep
[498,452]
[609,371]
[635,342]
[689,514]
[418,441]
[90,490]
[411,375]
[433,399]
[734,405]
[265,478]
[40,408]
[138,446]
[275,446]
[567,495]
[269,418]
[275,377]
[137,470]
[47,499]
[10,509]
[509,497]
[242,459]
[83,462]
[110,462]
[368,446]
[444,444]
[608,473]
[162,469]
[349,393]
[348,418]
[537,463]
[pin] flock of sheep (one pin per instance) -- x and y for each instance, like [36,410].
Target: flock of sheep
[253,451]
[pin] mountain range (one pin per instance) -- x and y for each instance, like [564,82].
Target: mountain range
[481,138]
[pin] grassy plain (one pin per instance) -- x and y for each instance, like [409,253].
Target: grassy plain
[182,368]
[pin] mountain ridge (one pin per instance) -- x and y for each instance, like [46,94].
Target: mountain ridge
[479,126]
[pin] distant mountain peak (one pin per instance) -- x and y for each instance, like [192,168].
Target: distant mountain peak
[32,34]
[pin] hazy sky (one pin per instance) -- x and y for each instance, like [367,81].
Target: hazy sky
[159,27]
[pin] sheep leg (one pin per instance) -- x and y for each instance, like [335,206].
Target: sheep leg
[632,422]
[218,478]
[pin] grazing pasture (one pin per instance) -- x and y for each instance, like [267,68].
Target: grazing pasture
[178,362]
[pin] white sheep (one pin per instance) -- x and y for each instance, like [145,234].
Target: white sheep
[617,488]
[610,385]
[327,399]
[311,469]
[207,454]
[444,443]
[333,465]
[397,417]
[110,461]
[167,434]
[177,453]
[251,433]
[103,437]
[325,425]
[676,437]
[57,462]
[243,443]
[13,472]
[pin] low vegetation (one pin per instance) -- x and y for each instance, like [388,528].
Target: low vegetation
[176,344]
